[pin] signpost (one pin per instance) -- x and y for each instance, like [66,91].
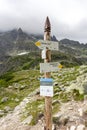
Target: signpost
[49,44]
[46,83]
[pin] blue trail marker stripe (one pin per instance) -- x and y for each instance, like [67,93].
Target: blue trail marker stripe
[46,80]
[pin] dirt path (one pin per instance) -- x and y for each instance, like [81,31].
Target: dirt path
[12,120]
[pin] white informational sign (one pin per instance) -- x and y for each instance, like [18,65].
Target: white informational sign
[46,87]
[51,45]
[46,91]
[43,54]
[50,67]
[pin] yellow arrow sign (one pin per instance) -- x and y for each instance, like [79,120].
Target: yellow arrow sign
[50,44]
[60,66]
[38,43]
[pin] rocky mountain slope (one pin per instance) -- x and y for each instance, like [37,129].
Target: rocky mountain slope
[21,102]
[17,50]
[15,41]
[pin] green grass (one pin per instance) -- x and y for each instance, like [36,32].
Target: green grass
[4,79]
[28,78]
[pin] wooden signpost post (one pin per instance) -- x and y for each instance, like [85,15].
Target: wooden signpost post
[46,83]
[48,100]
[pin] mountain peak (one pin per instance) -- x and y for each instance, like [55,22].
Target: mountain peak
[53,38]
[20,31]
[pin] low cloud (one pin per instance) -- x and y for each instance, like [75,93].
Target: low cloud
[31,15]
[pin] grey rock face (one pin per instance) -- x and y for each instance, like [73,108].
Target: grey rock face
[7,108]
[4,99]
[1,113]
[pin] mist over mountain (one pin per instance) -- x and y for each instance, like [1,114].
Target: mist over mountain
[18,40]
[15,43]
[15,40]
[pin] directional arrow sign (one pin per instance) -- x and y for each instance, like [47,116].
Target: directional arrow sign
[50,67]
[50,44]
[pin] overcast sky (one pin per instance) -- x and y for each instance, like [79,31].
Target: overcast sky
[68,17]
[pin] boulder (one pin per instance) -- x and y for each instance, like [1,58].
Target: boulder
[22,87]
[73,127]
[27,120]
[1,113]
[4,99]
[61,120]
[17,100]
[7,109]
[16,85]
[81,127]
[84,84]
[55,84]
[10,87]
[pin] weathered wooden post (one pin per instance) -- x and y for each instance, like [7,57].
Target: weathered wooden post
[48,100]
[46,83]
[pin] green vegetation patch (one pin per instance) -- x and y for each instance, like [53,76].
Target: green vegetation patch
[16,86]
[5,79]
